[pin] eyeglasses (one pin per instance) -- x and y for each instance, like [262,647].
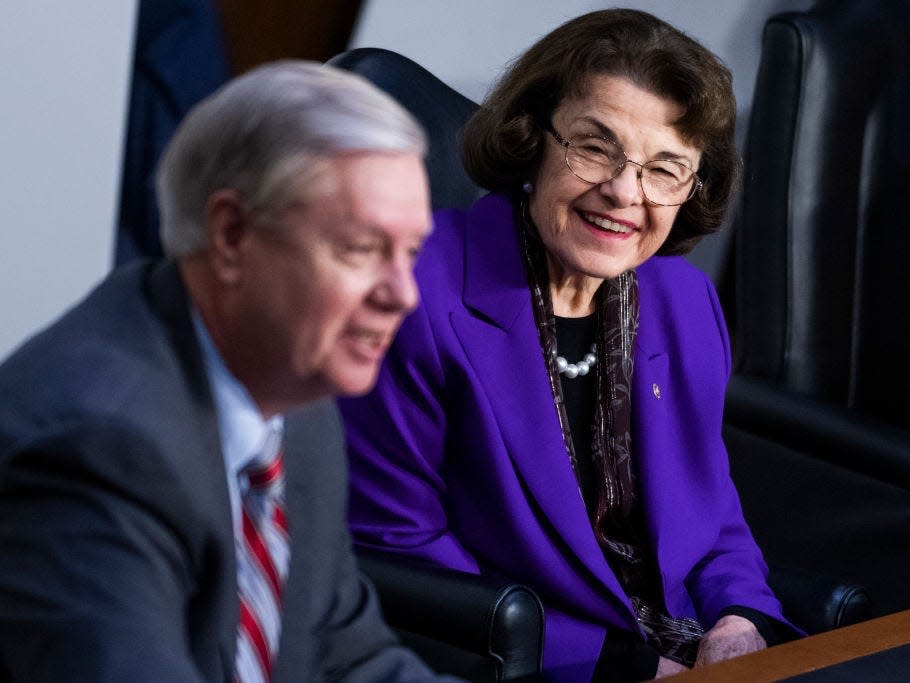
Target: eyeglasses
[598,160]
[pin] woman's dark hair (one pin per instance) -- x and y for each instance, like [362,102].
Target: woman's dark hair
[503,140]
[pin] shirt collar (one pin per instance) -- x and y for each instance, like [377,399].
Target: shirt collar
[245,435]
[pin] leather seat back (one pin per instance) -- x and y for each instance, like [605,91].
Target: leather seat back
[825,229]
[441,110]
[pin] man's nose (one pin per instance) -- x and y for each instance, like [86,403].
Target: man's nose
[398,288]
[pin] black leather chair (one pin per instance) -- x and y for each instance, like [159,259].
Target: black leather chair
[824,231]
[817,419]
[441,110]
[437,611]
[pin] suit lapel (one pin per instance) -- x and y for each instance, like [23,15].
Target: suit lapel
[499,324]
[204,463]
[294,649]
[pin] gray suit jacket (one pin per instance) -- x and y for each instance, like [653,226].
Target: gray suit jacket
[117,560]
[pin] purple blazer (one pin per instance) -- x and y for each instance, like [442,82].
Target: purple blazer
[457,455]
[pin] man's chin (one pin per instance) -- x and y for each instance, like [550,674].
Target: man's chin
[355,384]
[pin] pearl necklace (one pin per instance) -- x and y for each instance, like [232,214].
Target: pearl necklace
[573,370]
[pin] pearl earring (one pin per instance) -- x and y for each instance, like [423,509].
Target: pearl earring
[527,186]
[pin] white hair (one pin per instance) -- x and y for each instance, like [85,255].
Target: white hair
[260,131]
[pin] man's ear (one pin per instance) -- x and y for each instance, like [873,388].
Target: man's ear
[227,228]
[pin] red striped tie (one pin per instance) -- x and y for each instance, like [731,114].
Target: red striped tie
[262,564]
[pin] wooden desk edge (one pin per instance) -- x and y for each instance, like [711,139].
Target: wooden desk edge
[807,654]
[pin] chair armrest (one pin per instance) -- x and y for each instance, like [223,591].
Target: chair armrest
[843,437]
[818,603]
[827,490]
[487,616]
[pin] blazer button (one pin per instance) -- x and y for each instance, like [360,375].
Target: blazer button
[656,390]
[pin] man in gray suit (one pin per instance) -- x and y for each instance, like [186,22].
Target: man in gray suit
[293,202]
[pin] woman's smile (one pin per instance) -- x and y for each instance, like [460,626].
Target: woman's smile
[604,224]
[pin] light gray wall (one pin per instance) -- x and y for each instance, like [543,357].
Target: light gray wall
[467,44]
[64,70]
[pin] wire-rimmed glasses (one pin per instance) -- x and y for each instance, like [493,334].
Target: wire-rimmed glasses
[596,160]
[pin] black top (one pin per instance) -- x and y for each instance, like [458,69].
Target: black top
[574,337]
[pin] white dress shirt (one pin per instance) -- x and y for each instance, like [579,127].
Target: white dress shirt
[244,434]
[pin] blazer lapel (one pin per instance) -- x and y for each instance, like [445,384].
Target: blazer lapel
[655,440]
[500,325]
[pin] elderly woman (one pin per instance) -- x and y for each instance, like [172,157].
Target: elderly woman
[552,410]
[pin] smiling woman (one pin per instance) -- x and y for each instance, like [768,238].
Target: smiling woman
[552,410]
[594,231]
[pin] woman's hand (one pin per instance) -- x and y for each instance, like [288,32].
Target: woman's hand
[667,667]
[731,636]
